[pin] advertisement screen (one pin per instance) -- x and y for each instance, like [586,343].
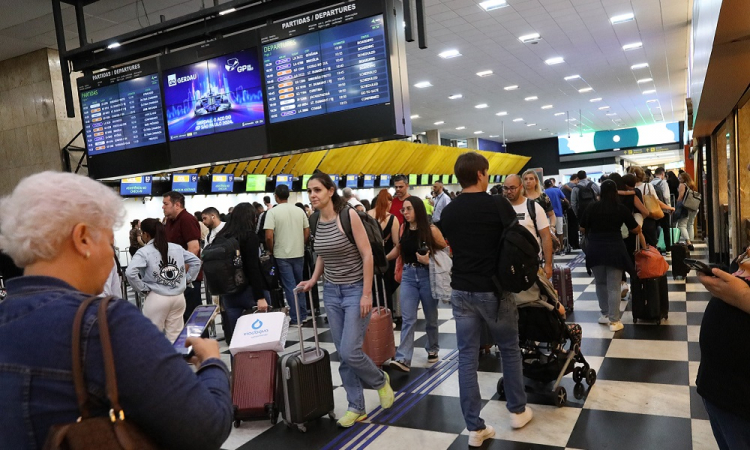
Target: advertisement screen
[413,179]
[351,181]
[284,179]
[136,186]
[424,180]
[369,181]
[656,134]
[446,179]
[255,183]
[186,183]
[213,96]
[222,182]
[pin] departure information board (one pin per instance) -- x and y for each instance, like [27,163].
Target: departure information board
[334,69]
[369,181]
[122,109]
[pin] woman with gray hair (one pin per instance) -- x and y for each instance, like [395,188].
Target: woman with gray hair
[58,227]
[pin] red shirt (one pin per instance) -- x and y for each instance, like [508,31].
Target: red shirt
[396,206]
[182,230]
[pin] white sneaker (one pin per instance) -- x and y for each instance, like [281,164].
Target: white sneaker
[477,437]
[624,289]
[520,420]
[616,326]
[604,320]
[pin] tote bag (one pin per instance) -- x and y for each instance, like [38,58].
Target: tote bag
[692,200]
[652,204]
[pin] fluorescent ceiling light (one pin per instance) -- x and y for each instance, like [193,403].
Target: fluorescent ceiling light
[519,119]
[649,91]
[602,108]
[494,135]
[572,77]
[555,60]
[532,98]
[594,100]
[572,120]
[227,11]
[423,84]
[511,88]
[560,114]
[448,54]
[478,132]
[639,66]
[652,101]
[530,124]
[439,122]
[529,38]
[621,18]
[460,128]
[633,46]
[490,5]
[113,45]
[502,113]
[455,96]
[415,116]
[645,80]
[547,107]
[586,89]
[485,73]
[481,106]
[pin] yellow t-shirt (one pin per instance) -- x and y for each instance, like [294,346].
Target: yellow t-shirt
[288,223]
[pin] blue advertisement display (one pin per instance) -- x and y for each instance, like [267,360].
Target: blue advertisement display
[186,183]
[385,180]
[220,94]
[351,181]
[335,69]
[136,186]
[222,182]
[369,181]
[284,179]
[335,179]
[656,134]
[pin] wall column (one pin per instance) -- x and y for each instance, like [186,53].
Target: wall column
[433,137]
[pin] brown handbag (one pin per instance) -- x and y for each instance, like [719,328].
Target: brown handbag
[111,432]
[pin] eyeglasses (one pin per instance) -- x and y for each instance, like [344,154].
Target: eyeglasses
[408,208]
[510,188]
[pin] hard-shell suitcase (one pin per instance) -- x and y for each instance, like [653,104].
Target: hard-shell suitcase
[650,298]
[679,253]
[562,279]
[254,385]
[306,391]
[379,343]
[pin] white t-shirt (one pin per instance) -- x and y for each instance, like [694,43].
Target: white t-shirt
[212,233]
[542,221]
[353,202]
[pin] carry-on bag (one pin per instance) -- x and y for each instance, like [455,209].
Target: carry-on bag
[679,253]
[648,262]
[306,383]
[257,332]
[379,343]
[254,386]
[650,298]
[277,298]
[562,279]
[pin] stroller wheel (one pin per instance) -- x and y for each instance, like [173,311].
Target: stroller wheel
[561,396]
[578,374]
[591,377]
[578,391]
[501,389]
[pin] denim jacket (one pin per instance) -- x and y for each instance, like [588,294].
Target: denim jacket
[158,391]
[146,271]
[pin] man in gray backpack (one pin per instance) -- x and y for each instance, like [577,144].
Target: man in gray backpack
[585,193]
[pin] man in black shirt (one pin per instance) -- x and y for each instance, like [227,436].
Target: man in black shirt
[472,224]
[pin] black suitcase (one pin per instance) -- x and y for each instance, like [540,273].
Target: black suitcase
[306,382]
[650,298]
[679,268]
[277,298]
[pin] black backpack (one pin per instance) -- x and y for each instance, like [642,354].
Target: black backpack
[518,258]
[374,235]
[222,266]
[586,197]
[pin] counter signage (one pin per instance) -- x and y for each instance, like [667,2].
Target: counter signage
[369,181]
[186,183]
[136,186]
[351,181]
[222,182]
[305,179]
[284,179]
[385,180]
[255,183]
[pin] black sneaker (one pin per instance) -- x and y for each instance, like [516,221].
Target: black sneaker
[400,366]
[432,357]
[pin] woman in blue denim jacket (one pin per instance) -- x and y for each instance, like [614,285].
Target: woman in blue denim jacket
[58,227]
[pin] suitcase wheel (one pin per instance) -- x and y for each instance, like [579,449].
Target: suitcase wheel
[237,423]
[561,396]
[302,428]
[635,320]
[591,377]
[501,389]
[273,413]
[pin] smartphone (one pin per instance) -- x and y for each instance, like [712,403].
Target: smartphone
[195,327]
[699,266]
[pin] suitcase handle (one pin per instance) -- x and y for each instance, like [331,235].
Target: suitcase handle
[377,292]
[296,291]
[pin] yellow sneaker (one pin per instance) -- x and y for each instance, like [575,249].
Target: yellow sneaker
[350,418]
[386,393]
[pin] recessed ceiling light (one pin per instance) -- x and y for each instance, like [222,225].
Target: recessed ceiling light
[652,101]
[560,114]
[494,135]
[518,119]
[529,38]
[530,124]
[572,77]
[227,11]
[423,84]
[573,119]
[621,18]
[639,66]
[511,87]
[439,122]
[612,114]
[460,128]
[555,60]
[649,91]
[594,100]
[415,116]
[547,107]
[448,54]
[485,73]
[602,108]
[633,46]
[481,106]
[645,80]
[490,5]
[586,89]
[478,132]
[113,45]
[532,98]
[502,113]
[455,96]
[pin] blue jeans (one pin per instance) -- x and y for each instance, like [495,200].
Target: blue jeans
[471,309]
[348,330]
[234,305]
[731,431]
[608,290]
[290,271]
[415,286]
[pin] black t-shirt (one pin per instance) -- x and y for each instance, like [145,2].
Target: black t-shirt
[602,217]
[409,245]
[629,201]
[472,225]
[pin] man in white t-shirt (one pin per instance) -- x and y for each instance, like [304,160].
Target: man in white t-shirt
[352,200]
[512,191]
[212,220]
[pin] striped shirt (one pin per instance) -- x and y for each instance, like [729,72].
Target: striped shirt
[343,263]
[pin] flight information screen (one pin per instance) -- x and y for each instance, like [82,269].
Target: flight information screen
[334,69]
[222,182]
[120,115]
[187,183]
[136,186]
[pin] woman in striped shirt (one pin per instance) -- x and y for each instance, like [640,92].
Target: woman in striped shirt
[347,271]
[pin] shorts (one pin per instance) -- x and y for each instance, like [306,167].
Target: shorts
[559,225]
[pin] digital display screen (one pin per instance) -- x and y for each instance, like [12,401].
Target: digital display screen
[446,179]
[335,179]
[334,69]
[454,179]
[351,181]
[305,179]
[196,324]
[136,186]
[284,179]
[424,180]
[123,115]
[186,183]
[385,180]
[413,179]
[222,182]
[255,183]
[213,96]
[369,181]
[645,135]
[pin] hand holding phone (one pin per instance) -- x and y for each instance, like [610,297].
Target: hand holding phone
[202,349]
[699,266]
[195,327]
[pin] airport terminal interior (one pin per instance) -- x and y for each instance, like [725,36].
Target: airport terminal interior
[225,100]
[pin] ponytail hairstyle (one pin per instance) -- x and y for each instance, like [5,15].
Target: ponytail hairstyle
[156,230]
[134,223]
[338,202]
